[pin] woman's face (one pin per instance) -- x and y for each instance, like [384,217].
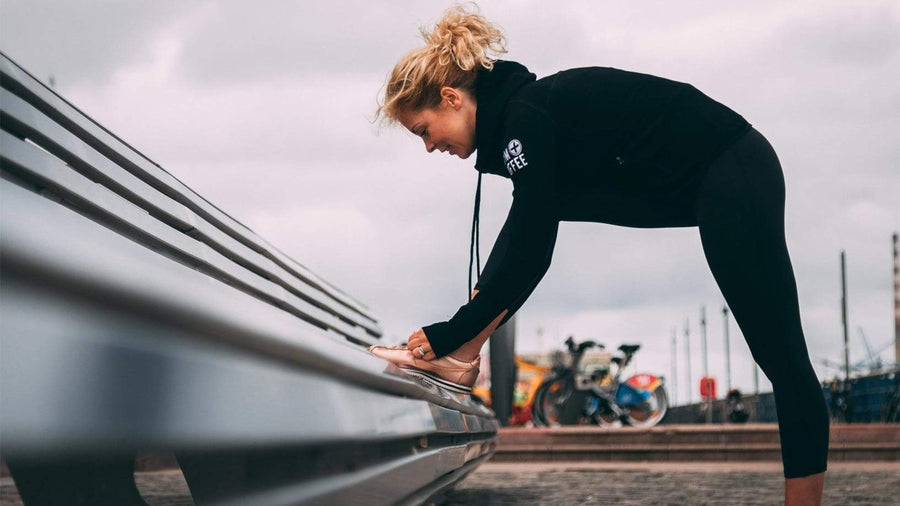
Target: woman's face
[449,127]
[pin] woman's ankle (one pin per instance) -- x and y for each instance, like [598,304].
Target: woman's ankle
[464,355]
[806,491]
[472,349]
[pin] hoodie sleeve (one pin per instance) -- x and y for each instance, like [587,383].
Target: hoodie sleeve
[523,250]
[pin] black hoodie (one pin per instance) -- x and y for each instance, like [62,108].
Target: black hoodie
[590,144]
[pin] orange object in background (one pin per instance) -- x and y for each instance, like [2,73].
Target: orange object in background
[529,378]
[483,392]
[707,387]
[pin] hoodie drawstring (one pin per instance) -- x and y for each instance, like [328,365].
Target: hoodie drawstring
[475,244]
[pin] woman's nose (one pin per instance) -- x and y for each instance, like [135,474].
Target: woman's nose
[429,146]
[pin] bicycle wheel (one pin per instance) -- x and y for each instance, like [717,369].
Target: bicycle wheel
[537,414]
[603,416]
[548,400]
[649,412]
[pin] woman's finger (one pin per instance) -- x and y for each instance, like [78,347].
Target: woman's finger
[421,350]
[416,338]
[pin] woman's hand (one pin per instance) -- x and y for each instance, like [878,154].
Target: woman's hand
[417,339]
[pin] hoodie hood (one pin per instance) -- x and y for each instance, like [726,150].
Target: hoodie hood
[493,89]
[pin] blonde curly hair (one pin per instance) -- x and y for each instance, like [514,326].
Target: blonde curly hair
[460,43]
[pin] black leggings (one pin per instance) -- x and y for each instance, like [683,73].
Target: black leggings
[739,208]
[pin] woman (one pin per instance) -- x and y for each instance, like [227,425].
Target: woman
[609,146]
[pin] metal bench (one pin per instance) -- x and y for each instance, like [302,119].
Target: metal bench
[137,316]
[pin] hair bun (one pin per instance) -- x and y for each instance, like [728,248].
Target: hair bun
[465,39]
[459,45]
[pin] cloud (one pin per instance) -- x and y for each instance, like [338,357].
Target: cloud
[842,35]
[83,41]
[236,43]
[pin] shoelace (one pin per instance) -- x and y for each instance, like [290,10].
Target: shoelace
[476,240]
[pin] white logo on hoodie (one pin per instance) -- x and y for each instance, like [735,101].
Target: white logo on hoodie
[514,157]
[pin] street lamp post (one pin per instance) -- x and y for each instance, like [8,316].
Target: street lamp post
[687,355]
[674,367]
[844,314]
[705,364]
[727,349]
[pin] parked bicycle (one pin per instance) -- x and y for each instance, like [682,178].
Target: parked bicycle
[571,396]
[841,408]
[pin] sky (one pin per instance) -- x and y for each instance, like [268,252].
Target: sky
[266,109]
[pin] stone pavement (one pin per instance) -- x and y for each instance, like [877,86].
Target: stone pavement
[721,483]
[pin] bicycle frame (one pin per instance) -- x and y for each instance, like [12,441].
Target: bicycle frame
[577,395]
[616,394]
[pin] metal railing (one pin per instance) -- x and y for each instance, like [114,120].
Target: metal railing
[137,316]
[863,399]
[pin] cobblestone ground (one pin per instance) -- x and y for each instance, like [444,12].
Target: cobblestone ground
[628,484]
[665,485]
[161,488]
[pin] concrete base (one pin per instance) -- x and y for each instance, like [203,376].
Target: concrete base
[687,443]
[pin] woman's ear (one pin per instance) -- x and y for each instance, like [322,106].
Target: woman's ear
[452,96]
